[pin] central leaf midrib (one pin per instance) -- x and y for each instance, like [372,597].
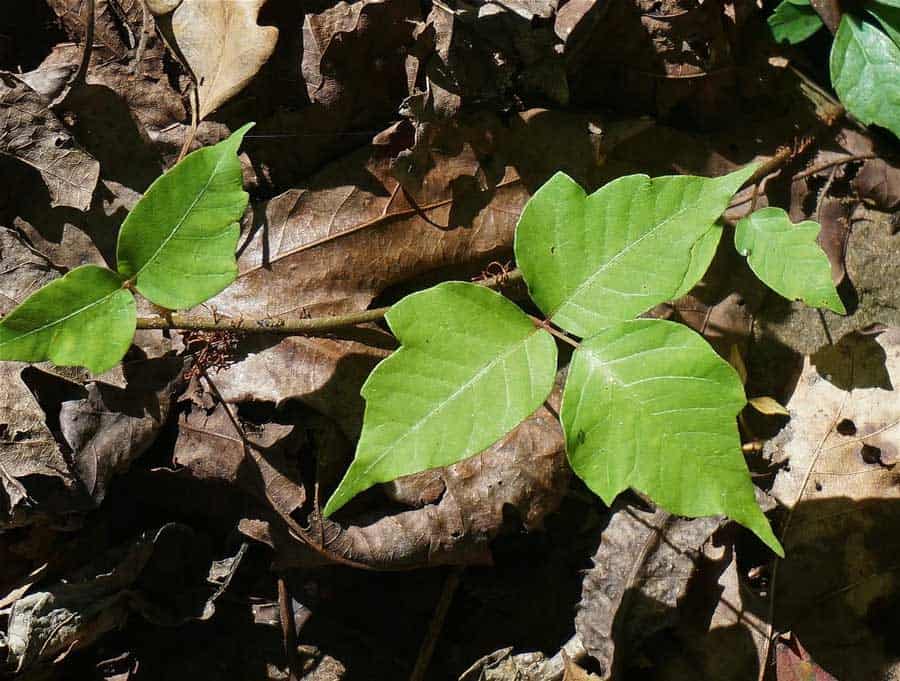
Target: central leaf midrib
[590,280]
[456,393]
[184,217]
[61,319]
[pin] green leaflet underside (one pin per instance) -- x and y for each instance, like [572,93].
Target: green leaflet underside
[786,257]
[178,243]
[865,64]
[593,261]
[649,405]
[470,368]
[83,319]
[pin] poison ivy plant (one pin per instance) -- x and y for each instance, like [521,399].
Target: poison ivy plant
[787,258]
[471,367]
[648,404]
[585,258]
[178,242]
[176,247]
[864,61]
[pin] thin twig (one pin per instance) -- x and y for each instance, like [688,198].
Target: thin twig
[436,624]
[834,162]
[80,76]
[545,324]
[288,629]
[195,106]
[311,326]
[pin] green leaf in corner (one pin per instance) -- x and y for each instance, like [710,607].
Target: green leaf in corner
[178,243]
[786,257]
[887,12]
[470,368]
[83,319]
[593,261]
[649,405]
[793,22]
[864,67]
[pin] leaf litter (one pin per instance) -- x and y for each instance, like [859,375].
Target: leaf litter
[396,145]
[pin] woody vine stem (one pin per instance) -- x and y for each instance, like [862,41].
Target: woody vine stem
[328,324]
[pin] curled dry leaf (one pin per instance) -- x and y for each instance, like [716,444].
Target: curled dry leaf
[221,43]
[721,631]
[458,509]
[494,54]
[838,484]
[641,572]
[34,135]
[49,623]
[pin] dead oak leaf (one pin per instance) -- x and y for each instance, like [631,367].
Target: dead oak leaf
[641,571]
[839,486]
[222,45]
[34,135]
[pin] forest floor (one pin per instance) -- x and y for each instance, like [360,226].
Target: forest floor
[396,142]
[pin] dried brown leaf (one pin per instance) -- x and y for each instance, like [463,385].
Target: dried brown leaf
[460,509]
[222,45]
[793,663]
[48,624]
[265,465]
[641,572]
[835,588]
[34,135]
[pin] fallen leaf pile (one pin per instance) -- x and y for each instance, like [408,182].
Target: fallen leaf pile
[164,519]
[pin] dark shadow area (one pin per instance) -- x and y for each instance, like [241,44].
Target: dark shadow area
[28,31]
[855,361]
[104,127]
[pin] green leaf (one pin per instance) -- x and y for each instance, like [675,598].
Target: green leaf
[887,12]
[865,64]
[702,253]
[84,319]
[649,405]
[793,22]
[470,368]
[178,242]
[787,258]
[593,261]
